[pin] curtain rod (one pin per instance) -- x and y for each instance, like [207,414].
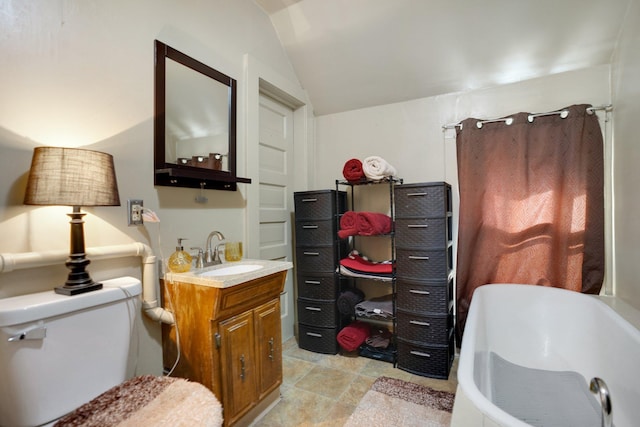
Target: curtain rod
[531,117]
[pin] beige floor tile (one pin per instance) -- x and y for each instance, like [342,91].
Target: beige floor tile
[298,408]
[358,387]
[309,356]
[327,382]
[346,363]
[289,344]
[293,369]
[376,368]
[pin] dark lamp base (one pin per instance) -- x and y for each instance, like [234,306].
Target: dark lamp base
[70,290]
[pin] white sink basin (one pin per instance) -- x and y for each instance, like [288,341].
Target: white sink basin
[233,269]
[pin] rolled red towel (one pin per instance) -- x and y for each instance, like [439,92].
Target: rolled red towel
[352,170]
[353,335]
[372,223]
[348,222]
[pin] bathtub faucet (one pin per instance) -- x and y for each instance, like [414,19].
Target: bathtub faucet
[212,257]
[599,388]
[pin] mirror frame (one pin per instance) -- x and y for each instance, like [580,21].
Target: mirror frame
[176,175]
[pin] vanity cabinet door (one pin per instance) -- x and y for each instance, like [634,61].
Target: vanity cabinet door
[237,358]
[269,347]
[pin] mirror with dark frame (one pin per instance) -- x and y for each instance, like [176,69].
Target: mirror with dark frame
[194,124]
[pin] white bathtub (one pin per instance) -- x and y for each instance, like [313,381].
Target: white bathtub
[543,332]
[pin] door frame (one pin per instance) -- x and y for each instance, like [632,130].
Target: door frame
[262,79]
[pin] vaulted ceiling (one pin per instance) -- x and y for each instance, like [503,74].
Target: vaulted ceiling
[351,54]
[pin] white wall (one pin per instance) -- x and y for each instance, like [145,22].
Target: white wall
[626,92]
[80,73]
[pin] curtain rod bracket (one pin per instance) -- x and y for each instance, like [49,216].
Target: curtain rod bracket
[451,126]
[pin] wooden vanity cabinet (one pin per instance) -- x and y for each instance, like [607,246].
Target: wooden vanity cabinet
[230,341]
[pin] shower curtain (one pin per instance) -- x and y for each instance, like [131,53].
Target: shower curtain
[531,204]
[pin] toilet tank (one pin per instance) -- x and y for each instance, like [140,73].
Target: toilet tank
[58,352]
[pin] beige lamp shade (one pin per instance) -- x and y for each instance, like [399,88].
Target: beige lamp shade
[71,177]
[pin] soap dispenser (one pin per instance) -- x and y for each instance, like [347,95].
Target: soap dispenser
[180,261]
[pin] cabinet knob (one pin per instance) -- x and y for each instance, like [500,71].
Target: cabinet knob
[271,349]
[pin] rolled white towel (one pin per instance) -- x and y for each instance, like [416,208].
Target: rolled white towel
[376,168]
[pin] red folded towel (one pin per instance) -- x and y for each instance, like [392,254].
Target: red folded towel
[353,335]
[358,263]
[348,223]
[352,170]
[372,223]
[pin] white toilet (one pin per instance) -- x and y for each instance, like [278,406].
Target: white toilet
[58,352]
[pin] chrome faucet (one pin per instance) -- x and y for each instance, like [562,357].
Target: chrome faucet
[599,388]
[212,257]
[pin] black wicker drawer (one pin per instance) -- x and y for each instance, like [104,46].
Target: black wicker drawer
[419,297]
[430,361]
[318,204]
[319,232]
[316,286]
[424,330]
[432,233]
[316,259]
[319,340]
[423,264]
[424,199]
[322,313]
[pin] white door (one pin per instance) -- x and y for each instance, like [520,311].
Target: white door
[276,187]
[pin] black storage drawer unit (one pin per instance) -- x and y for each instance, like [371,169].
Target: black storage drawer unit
[432,360]
[318,284]
[316,259]
[423,232]
[426,199]
[318,204]
[424,329]
[315,232]
[316,339]
[424,265]
[422,297]
[318,312]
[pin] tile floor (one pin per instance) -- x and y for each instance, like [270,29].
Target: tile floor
[323,390]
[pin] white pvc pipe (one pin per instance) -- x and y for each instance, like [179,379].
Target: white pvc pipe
[150,304]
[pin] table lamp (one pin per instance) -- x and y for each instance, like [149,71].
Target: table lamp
[73,177]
